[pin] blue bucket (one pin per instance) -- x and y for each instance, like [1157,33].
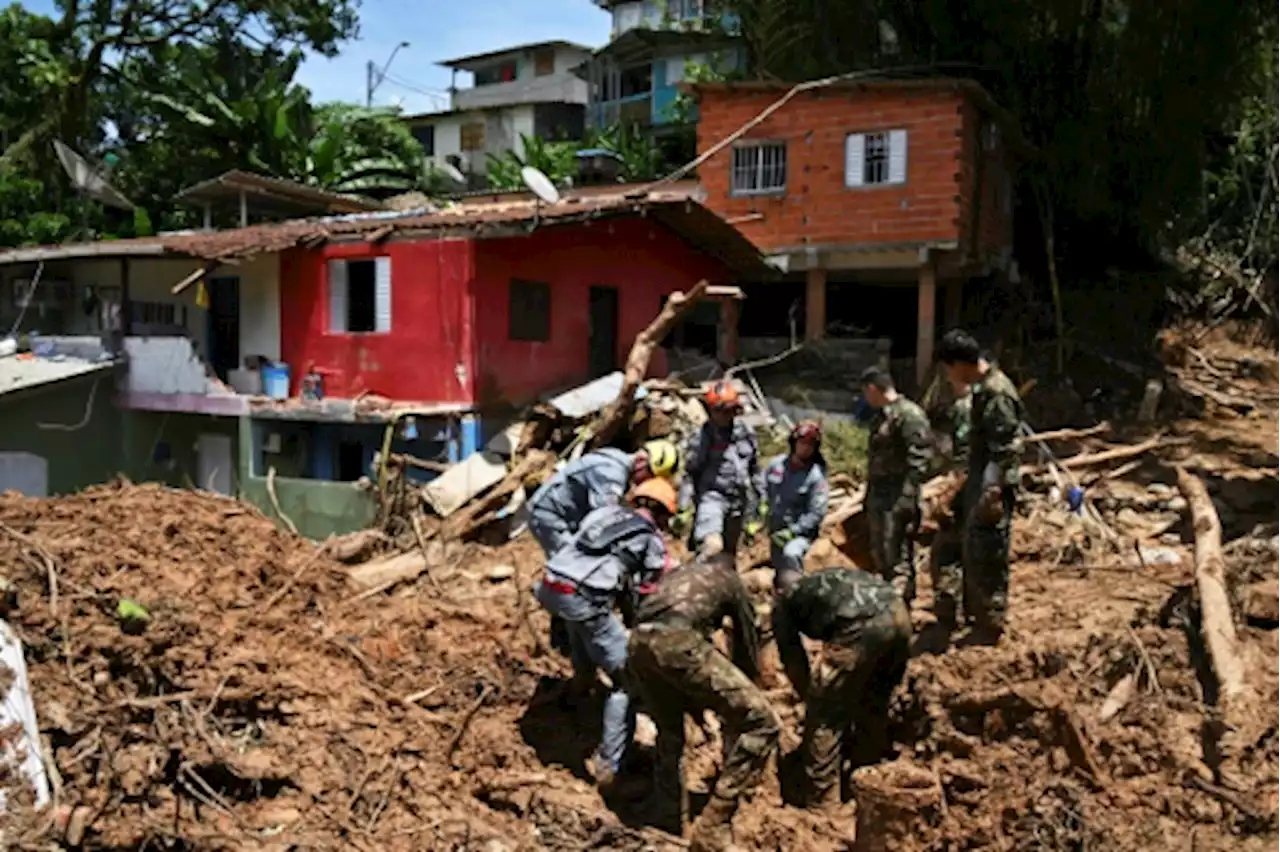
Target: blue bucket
[275,381]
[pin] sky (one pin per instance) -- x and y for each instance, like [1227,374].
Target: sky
[436,30]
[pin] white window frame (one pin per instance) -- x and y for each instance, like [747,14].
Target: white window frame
[757,151]
[855,159]
[339,295]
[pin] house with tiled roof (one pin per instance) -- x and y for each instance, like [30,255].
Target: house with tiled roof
[283,351]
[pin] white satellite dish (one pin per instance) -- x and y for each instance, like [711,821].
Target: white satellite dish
[453,173]
[540,185]
[89,180]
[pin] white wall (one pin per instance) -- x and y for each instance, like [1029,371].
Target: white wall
[152,279]
[503,127]
[528,87]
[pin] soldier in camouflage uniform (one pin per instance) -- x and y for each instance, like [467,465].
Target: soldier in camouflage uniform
[990,490]
[867,630]
[678,670]
[945,557]
[899,451]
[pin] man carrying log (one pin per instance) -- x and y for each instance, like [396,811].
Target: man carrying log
[597,479]
[616,556]
[945,557]
[794,490]
[867,630]
[721,465]
[899,452]
[991,483]
[679,670]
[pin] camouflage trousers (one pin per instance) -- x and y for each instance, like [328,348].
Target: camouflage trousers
[851,691]
[678,671]
[946,561]
[892,550]
[986,565]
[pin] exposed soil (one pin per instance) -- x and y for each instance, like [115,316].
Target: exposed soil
[262,708]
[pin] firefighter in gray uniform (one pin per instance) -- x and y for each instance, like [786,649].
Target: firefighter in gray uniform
[795,494]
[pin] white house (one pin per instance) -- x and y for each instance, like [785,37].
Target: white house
[527,90]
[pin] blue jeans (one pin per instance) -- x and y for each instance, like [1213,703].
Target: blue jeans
[597,639]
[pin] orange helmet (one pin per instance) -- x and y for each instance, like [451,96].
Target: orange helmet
[658,490]
[722,395]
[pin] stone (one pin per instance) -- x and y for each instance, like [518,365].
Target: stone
[1176,504]
[498,573]
[1261,601]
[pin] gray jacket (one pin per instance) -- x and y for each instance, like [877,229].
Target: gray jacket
[797,496]
[597,479]
[615,550]
[724,461]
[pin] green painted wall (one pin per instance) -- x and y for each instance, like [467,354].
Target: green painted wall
[146,431]
[86,451]
[318,508]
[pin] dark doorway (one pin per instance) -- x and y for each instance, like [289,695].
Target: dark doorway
[350,461]
[224,325]
[602,343]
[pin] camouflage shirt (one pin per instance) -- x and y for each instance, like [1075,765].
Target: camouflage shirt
[899,448]
[697,596]
[831,605]
[958,419]
[994,435]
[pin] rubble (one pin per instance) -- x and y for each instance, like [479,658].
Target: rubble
[278,698]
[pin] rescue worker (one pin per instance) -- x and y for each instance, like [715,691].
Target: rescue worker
[991,483]
[721,465]
[948,544]
[616,555]
[794,494]
[867,630]
[678,670]
[596,479]
[899,452]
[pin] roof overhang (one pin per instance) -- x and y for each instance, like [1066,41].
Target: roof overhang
[856,256]
[479,60]
[273,195]
[640,44]
[105,250]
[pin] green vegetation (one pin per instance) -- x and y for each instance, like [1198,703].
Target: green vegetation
[640,157]
[844,445]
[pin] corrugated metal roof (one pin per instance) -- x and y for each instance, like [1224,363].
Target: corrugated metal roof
[19,373]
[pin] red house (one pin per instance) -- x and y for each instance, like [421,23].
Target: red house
[873,188]
[494,302]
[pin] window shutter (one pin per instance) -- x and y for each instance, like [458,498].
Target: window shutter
[382,295]
[855,152]
[897,156]
[337,296]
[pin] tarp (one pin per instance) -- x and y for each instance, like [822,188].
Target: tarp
[22,752]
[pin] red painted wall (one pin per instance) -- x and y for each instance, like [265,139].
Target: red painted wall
[641,257]
[431,323]
[817,207]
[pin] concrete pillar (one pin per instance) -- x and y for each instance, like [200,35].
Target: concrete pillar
[926,306]
[728,353]
[815,314]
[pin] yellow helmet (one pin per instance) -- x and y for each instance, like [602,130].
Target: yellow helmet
[663,457]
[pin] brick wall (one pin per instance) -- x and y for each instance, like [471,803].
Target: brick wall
[817,207]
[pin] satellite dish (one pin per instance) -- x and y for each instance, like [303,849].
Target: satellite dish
[540,185]
[453,173]
[89,180]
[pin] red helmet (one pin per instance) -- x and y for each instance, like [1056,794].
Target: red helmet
[722,395]
[807,429]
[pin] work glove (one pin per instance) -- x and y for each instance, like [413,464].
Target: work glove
[682,522]
[752,529]
[781,537]
[990,508]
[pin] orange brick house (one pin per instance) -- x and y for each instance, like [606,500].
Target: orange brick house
[864,191]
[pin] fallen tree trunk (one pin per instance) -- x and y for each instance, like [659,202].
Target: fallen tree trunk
[1087,460]
[530,471]
[1229,727]
[637,366]
[1067,434]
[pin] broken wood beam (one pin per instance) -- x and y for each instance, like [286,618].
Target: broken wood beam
[192,278]
[1089,459]
[406,460]
[535,465]
[676,306]
[1067,434]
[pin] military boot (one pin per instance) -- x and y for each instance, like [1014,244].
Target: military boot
[713,829]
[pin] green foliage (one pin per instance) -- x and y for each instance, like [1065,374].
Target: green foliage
[844,446]
[640,157]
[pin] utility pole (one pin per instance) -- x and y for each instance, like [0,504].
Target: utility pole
[373,77]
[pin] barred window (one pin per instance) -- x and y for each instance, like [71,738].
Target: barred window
[759,168]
